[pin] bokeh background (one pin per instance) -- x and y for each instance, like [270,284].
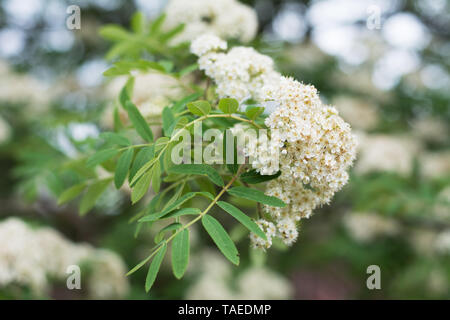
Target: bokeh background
[384,64]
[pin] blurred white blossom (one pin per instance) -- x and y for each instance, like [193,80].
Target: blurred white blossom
[33,257]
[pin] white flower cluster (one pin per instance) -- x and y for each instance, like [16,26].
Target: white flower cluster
[31,257]
[316,145]
[287,230]
[19,88]
[435,164]
[269,230]
[317,150]
[241,73]
[207,43]
[255,283]
[442,243]
[381,152]
[227,19]
[360,113]
[261,149]
[366,226]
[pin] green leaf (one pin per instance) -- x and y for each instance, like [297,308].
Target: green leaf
[115,138]
[199,108]
[206,194]
[139,122]
[167,65]
[160,235]
[172,33]
[156,177]
[124,97]
[118,125]
[253,112]
[176,195]
[141,187]
[156,25]
[253,177]
[184,212]
[142,157]
[205,184]
[114,33]
[179,105]
[138,22]
[114,72]
[101,157]
[71,193]
[170,208]
[161,142]
[228,105]
[221,238]
[120,49]
[256,195]
[154,267]
[143,170]
[93,192]
[188,70]
[242,218]
[199,169]
[180,253]
[138,266]
[123,165]
[167,157]
[153,206]
[168,121]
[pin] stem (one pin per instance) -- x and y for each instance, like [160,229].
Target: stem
[190,223]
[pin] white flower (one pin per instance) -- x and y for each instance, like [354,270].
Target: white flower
[318,149]
[435,164]
[32,257]
[207,43]
[240,73]
[360,113]
[287,230]
[381,152]
[255,283]
[228,19]
[310,143]
[269,229]
[365,227]
[259,283]
[442,242]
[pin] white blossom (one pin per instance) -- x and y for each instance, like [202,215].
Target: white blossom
[287,230]
[318,149]
[241,73]
[228,19]
[366,226]
[382,152]
[255,283]
[33,257]
[269,230]
[207,43]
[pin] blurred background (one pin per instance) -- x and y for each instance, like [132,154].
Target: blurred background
[384,64]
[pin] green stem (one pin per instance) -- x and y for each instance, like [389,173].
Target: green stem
[190,223]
